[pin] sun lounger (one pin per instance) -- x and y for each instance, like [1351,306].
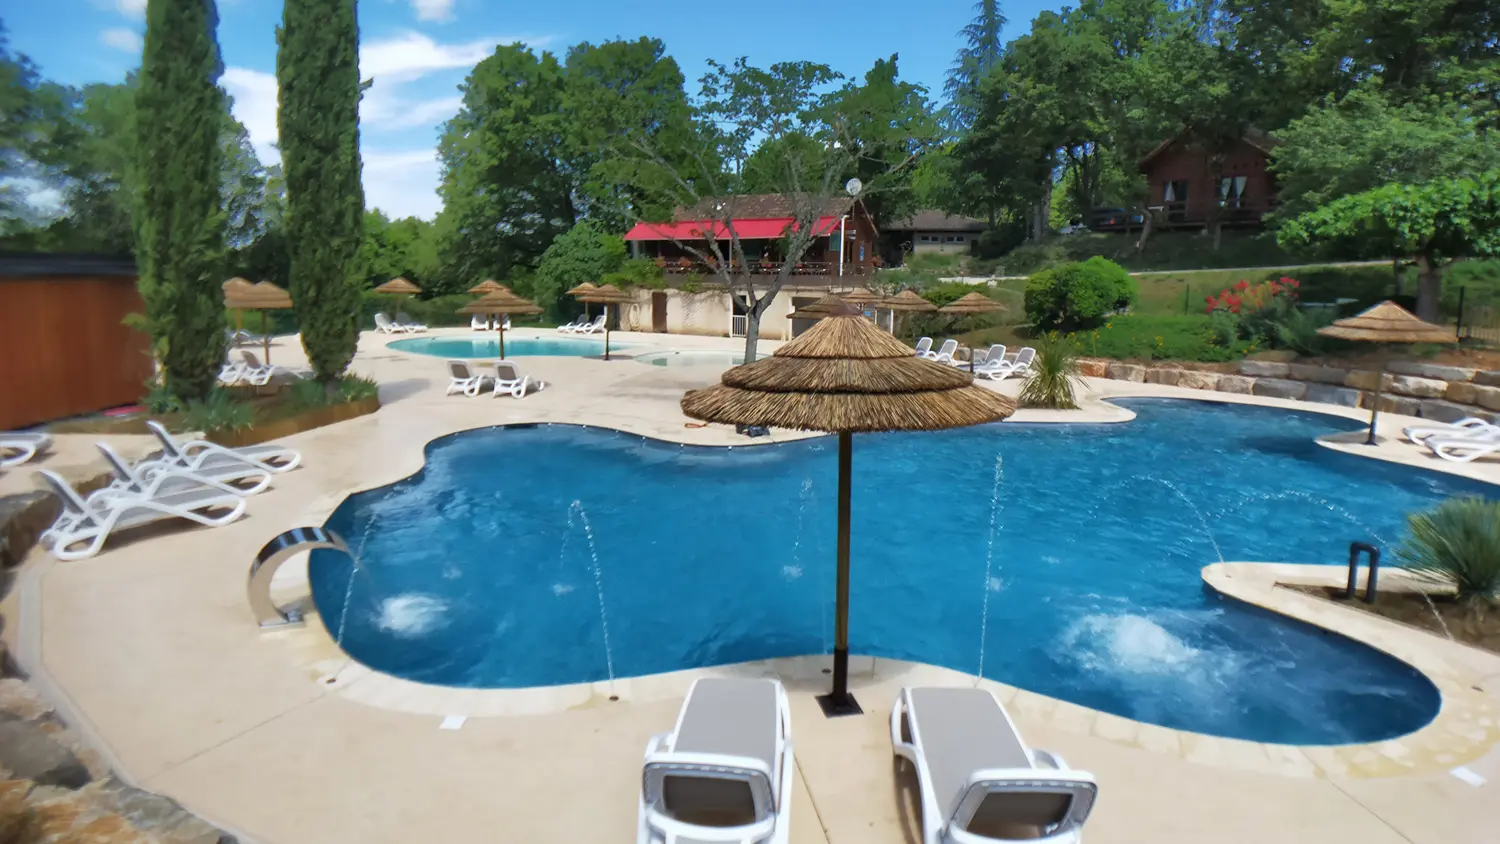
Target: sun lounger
[150,475]
[1465,448]
[232,372]
[924,347]
[571,326]
[993,354]
[944,354]
[384,325]
[196,454]
[510,382]
[1001,369]
[1467,427]
[411,327]
[591,327]
[979,782]
[463,379]
[724,774]
[84,526]
[478,323]
[17,447]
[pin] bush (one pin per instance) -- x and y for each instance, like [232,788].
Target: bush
[1079,295]
[1053,374]
[1457,544]
[304,395]
[1141,337]
[219,412]
[1480,282]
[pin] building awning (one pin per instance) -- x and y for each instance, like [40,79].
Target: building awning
[766,228]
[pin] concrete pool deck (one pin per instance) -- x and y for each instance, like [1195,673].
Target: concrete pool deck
[150,648]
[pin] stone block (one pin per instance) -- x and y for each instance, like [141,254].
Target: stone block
[1361,379]
[1093,367]
[1421,388]
[32,754]
[1170,377]
[1445,411]
[1461,392]
[1329,394]
[1436,371]
[1126,372]
[1196,380]
[1236,384]
[1393,404]
[1279,388]
[1488,378]
[21,701]
[1264,368]
[1487,397]
[1319,374]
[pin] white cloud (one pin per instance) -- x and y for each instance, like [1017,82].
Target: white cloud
[127,40]
[254,95]
[433,10]
[412,55]
[383,108]
[403,184]
[133,8]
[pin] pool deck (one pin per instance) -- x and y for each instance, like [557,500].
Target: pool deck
[150,649]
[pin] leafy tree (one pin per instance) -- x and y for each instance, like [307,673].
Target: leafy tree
[1433,223]
[585,253]
[317,71]
[981,51]
[32,113]
[406,247]
[180,228]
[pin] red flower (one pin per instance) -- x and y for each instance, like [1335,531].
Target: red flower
[1243,284]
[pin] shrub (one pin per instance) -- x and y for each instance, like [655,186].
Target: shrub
[1079,295]
[1053,374]
[219,412]
[1456,544]
[304,395]
[1142,337]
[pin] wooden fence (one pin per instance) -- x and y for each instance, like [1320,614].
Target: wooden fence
[63,348]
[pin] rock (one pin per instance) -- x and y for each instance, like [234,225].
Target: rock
[1329,394]
[1435,371]
[21,700]
[1461,393]
[1126,372]
[1488,378]
[1199,380]
[1235,384]
[1486,397]
[1365,380]
[1445,411]
[1169,377]
[1320,374]
[163,817]
[1422,388]
[1279,388]
[30,753]
[1265,368]
[1093,367]
[15,820]
[1393,404]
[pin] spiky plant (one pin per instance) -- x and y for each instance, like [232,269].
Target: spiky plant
[1054,372]
[1456,544]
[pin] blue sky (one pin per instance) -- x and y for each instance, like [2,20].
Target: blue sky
[419,51]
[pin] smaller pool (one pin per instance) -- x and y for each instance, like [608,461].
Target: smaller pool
[693,358]
[489,347]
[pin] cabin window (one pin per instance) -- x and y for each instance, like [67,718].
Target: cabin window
[1232,190]
[955,238]
[931,238]
[1175,190]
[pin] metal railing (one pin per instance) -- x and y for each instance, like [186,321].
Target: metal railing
[738,325]
[801,268]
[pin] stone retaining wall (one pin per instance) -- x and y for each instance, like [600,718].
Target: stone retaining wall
[1432,391]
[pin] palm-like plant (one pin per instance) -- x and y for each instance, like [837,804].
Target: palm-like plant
[1456,544]
[1054,372]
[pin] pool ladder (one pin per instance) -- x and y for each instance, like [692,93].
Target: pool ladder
[268,614]
[1355,549]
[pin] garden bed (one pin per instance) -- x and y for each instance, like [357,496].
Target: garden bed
[280,426]
[1476,624]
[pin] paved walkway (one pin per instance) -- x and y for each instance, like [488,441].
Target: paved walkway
[151,649]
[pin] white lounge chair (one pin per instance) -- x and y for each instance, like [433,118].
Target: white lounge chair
[384,325]
[1001,369]
[257,373]
[464,379]
[591,327]
[570,326]
[478,323]
[1467,427]
[510,382]
[924,347]
[993,354]
[724,774]
[149,475]
[979,782]
[197,454]
[1465,448]
[231,373]
[17,447]
[411,327]
[84,526]
[944,354]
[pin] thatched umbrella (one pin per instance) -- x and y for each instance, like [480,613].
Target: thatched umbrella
[398,286]
[846,376]
[500,303]
[968,305]
[486,287]
[1387,322]
[906,301]
[242,296]
[819,309]
[585,287]
[232,288]
[605,294]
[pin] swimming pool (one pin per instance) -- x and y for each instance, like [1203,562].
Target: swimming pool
[690,357]
[480,570]
[489,347]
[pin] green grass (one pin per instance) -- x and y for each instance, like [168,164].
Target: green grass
[1164,251]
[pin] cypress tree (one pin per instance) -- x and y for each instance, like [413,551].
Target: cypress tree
[317,71]
[179,226]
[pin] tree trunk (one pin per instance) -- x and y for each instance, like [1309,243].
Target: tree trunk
[752,328]
[1396,274]
[1429,286]
[1146,218]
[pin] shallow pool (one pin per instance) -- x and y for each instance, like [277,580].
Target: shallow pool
[1066,558]
[689,357]
[489,346]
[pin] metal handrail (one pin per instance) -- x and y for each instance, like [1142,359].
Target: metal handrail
[1355,549]
[297,540]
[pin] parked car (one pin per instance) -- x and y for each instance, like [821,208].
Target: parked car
[1112,219]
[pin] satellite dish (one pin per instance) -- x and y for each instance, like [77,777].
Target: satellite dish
[853,187]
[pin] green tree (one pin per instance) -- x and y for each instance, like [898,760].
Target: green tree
[1433,224]
[406,247]
[981,51]
[317,71]
[32,121]
[180,227]
[585,253]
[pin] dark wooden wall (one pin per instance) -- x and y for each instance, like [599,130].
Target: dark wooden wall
[63,349]
[1181,162]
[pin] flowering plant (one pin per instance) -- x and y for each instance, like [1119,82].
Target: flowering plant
[1245,298]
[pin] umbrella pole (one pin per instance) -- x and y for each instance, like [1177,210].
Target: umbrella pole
[500,321]
[839,701]
[265,336]
[1375,405]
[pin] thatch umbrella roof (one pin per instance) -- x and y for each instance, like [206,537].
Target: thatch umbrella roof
[845,375]
[501,302]
[241,295]
[972,303]
[861,296]
[606,294]
[398,287]
[586,287]
[907,300]
[820,308]
[489,285]
[236,285]
[1387,322]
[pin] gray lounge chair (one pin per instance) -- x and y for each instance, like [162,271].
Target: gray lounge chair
[196,454]
[17,447]
[150,475]
[725,773]
[84,526]
[979,781]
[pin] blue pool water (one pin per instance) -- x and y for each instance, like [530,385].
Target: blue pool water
[478,570]
[489,346]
